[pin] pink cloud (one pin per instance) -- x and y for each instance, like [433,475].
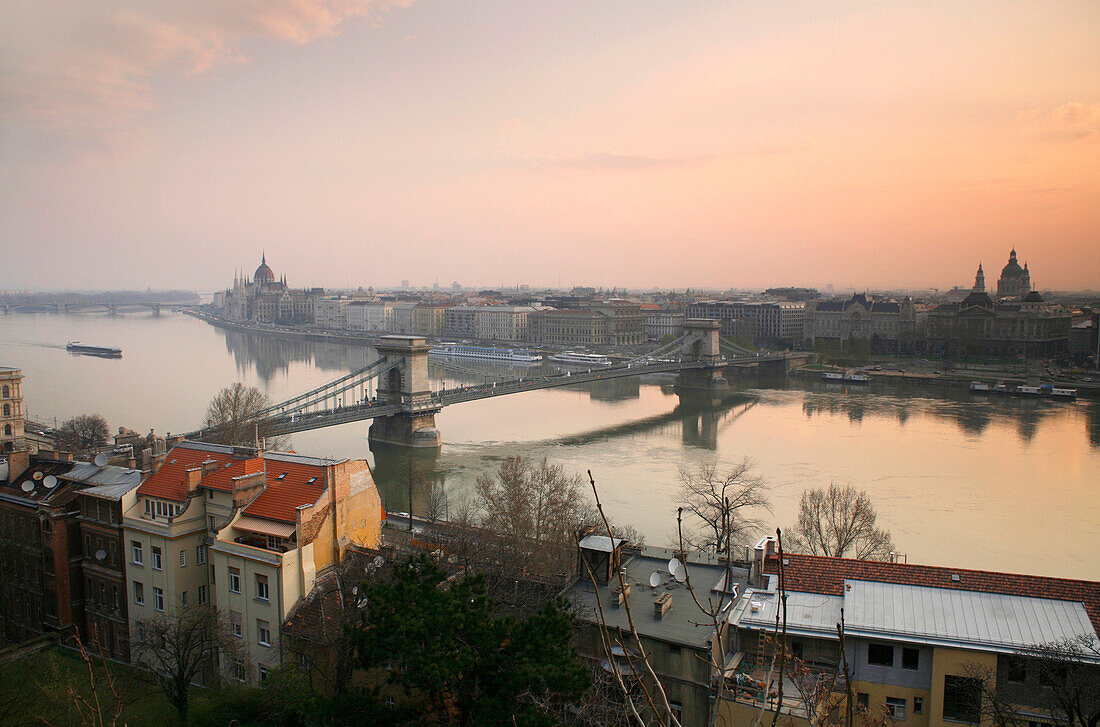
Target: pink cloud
[1074,121]
[88,67]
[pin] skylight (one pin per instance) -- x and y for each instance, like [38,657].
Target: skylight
[283,475]
[311,480]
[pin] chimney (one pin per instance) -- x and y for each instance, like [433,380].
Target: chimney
[619,594]
[19,461]
[241,452]
[208,466]
[194,476]
[661,605]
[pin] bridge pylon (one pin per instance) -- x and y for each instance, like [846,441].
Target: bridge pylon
[406,385]
[701,343]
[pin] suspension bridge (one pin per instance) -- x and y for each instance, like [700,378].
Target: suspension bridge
[394,390]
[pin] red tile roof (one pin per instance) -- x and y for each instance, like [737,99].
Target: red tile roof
[281,498]
[820,574]
[170,481]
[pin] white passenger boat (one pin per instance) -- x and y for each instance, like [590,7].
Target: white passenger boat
[832,376]
[574,358]
[485,353]
[979,386]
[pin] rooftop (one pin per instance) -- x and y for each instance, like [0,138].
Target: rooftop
[684,623]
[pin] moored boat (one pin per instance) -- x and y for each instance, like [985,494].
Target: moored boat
[574,358]
[506,355]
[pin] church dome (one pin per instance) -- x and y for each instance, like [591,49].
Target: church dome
[1012,269]
[977,298]
[1033,297]
[264,274]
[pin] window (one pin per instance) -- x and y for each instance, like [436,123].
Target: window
[863,700]
[158,598]
[234,580]
[115,597]
[139,593]
[263,673]
[209,494]
[677,711]
[1015,670]
[183,598]
[910,658]
[962,698]
[240,671]
[918,705]
[235,623]
[263,632]
[47,526]
[200,554]
[104,511]
[162,509]
[880,654]
[135,552]
[183,557]
[213,523]
[674,648]
[158,562]
[261,587]
[202,594]
[895,707]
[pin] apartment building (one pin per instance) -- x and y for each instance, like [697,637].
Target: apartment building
[332,313]
[774,323]
[917,639]
[488,322]
[373,316]
[246,531]
[428,319]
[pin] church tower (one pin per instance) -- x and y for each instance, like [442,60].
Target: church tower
[979,280]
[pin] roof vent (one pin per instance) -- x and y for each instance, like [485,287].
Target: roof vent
[756,606]
[955,577]
[661,605]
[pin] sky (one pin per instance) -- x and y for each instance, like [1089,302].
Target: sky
[639,143]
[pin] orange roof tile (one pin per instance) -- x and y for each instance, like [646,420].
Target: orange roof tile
[288,488]
[170,481]
[821,574]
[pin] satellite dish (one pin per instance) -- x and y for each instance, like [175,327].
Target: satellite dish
[681,575]
[379,561]
[673,566]
[50,482]
[100,554]
[28,486]
[37,476]
[100,460]
[654,579]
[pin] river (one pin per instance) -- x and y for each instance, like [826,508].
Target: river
[975,482]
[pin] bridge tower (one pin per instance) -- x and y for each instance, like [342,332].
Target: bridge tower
[701,344]
[406,385]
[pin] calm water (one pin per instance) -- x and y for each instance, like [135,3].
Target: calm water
[999,483]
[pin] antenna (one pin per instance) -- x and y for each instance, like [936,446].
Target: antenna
[654,579]
[100,554]
[37,476]
[28,486]
[100,459]
[673,566]
[50,482]
[681,575]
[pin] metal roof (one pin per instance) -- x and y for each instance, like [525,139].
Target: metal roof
[991,621]
[808,613]
[109,481]
[599,542]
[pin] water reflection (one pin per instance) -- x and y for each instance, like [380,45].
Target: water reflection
[269,356]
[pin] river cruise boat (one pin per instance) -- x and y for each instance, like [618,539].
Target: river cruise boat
[102,351]
[485,353]
[574,358]
[832,376]
[979,387]
[850,377]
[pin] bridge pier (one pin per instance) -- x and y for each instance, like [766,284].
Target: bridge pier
[705,385]
[406,385]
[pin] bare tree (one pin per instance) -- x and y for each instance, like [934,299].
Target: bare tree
[839,522]
[722,501]
[84,433]
[537,509]
[235,416]
[183,646]
[1067,676]
[99,701]
[995,704]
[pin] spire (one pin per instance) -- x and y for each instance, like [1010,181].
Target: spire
[1012,255]
[263,257]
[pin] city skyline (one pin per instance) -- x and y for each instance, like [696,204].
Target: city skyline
[695,145]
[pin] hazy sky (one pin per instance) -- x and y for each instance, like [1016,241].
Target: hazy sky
[596,142]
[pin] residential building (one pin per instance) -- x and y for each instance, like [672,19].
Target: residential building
[428,319]
[488,322]
[373,316]
[11,409]
[105,493]
[403,317]
[661,322]
[246,531]
[625,321]
[568,327]
[915,637]
[677,636]
[772,323]
[52,575]
[332,313]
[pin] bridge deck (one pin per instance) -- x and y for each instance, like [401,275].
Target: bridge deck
[305,421]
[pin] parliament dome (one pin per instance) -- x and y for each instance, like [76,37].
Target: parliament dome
[264,274]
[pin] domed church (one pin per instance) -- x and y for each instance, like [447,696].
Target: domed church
[268,299]
[1015,281]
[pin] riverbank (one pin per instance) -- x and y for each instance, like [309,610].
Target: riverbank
[948,379]
[283,331]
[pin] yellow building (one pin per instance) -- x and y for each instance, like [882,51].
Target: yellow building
[11,409]
[246,531]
